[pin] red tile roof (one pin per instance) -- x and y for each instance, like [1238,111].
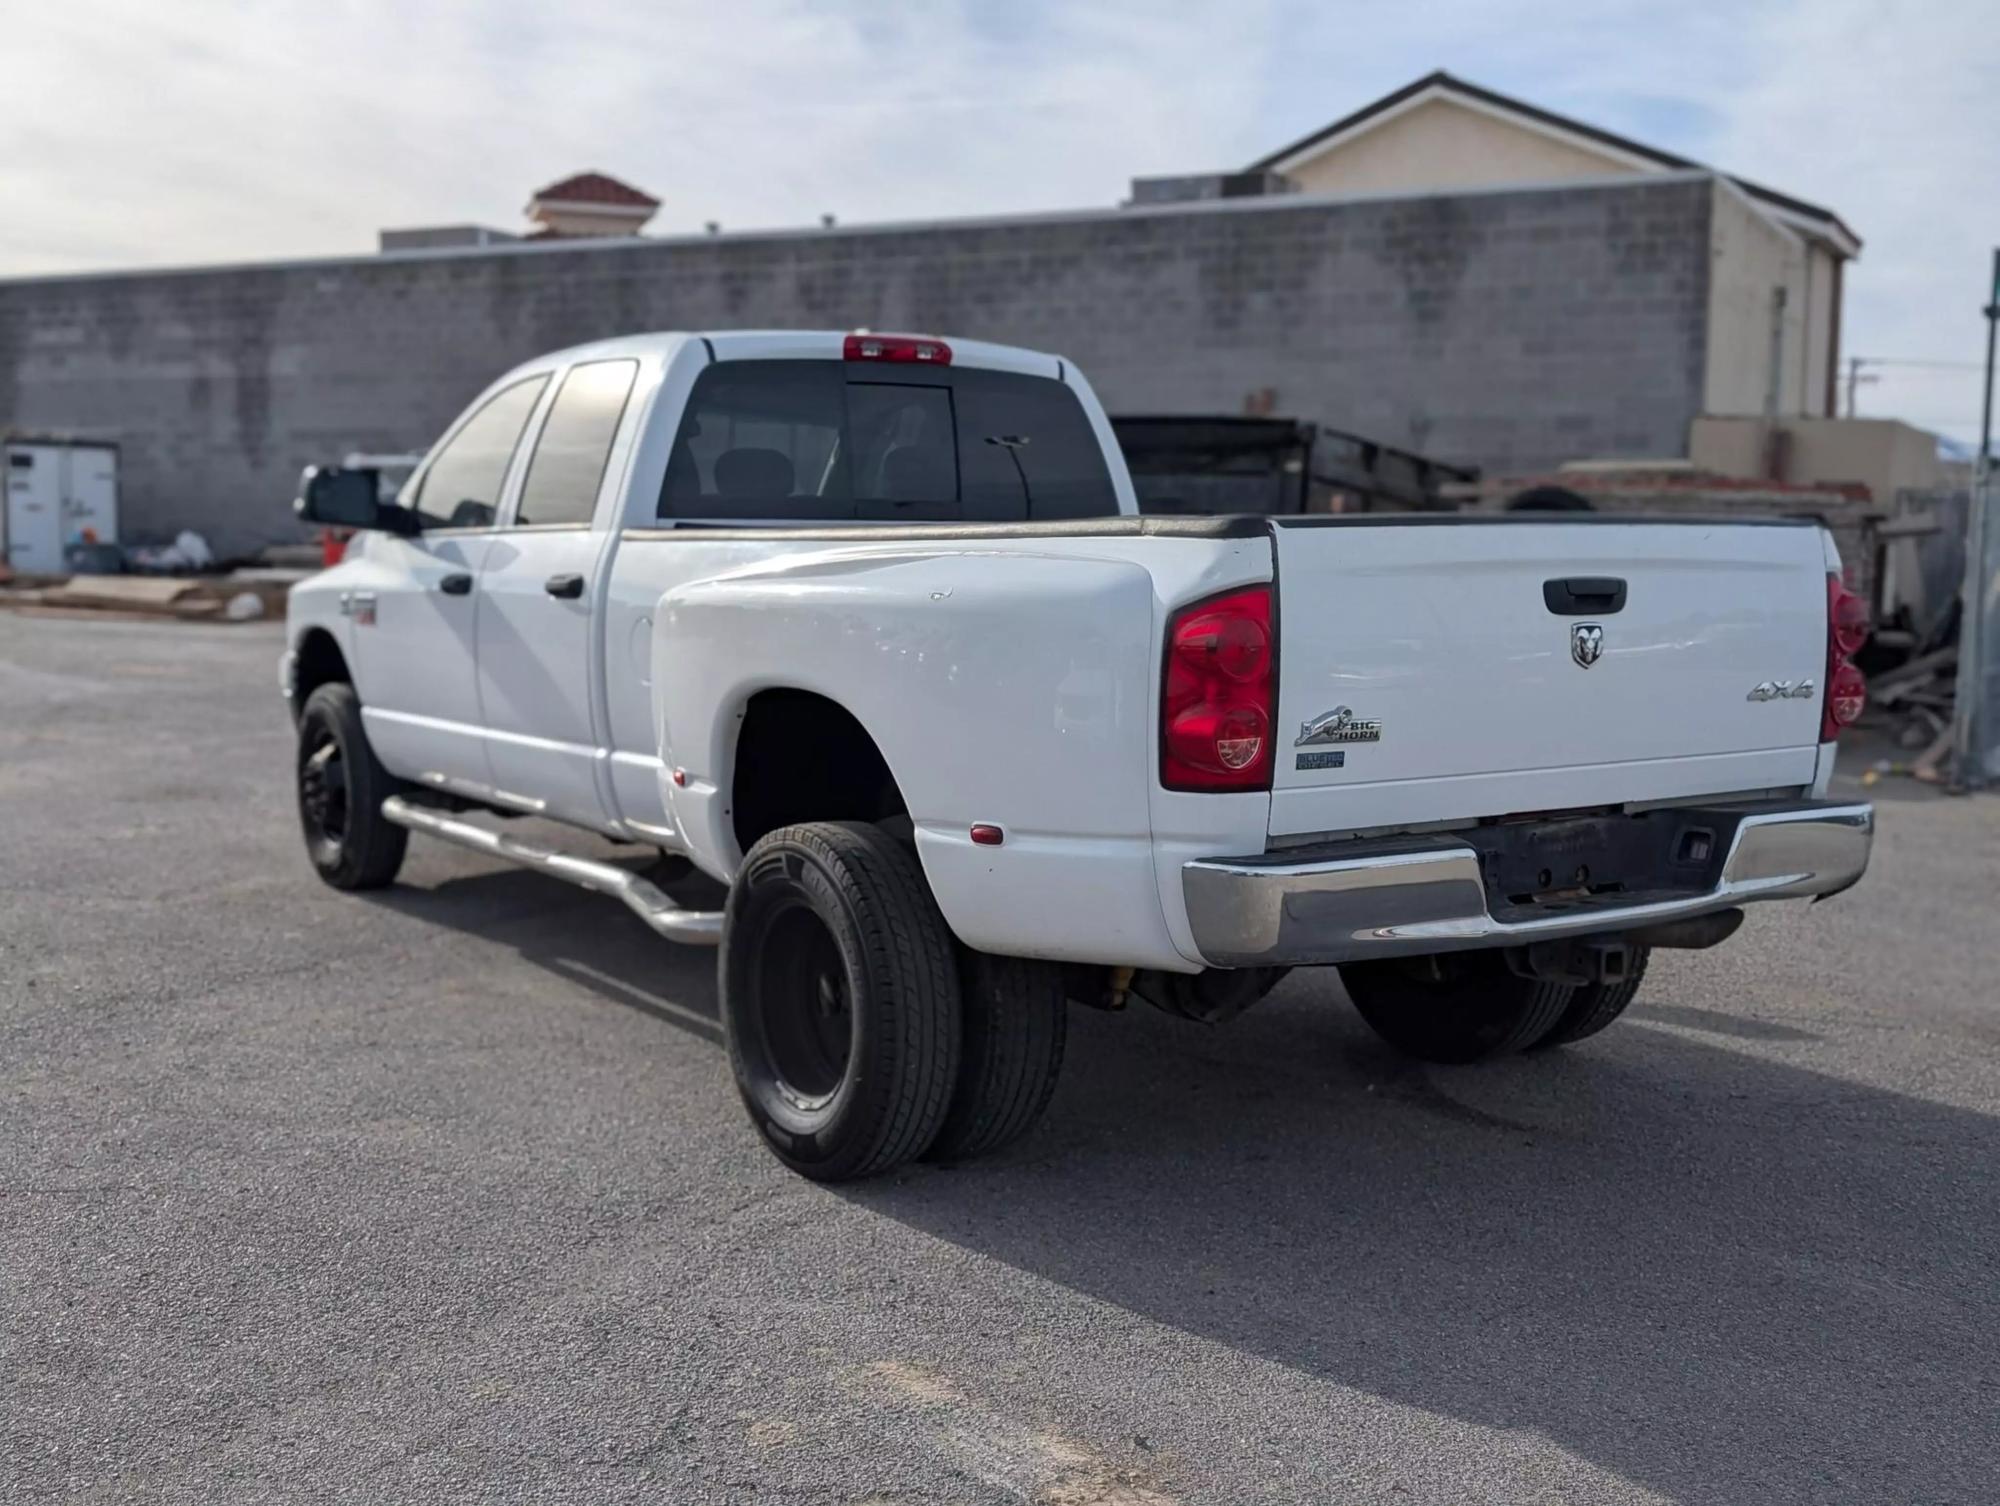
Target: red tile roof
[595,188]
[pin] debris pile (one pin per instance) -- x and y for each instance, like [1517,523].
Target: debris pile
[240,596]
[1915,699]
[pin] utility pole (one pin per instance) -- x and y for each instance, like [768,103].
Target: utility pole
[1976,706]
[1855,379]
[1992,313]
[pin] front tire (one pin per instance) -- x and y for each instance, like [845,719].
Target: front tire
[341,787]
[1472,1010]
[840,1000]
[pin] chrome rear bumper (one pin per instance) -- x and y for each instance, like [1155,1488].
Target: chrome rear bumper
[1411,896]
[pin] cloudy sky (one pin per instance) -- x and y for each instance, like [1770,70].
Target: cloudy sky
[139,133]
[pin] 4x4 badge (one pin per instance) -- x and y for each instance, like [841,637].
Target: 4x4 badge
[1781,690]
[1586,643]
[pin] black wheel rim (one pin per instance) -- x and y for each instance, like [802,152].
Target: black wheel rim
[804,1007]
[323,789]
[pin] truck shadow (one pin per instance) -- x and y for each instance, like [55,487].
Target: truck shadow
[1717,1276]
[581,938]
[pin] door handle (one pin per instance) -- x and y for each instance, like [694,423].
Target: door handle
[569,587]
[458,583]
[1584,596]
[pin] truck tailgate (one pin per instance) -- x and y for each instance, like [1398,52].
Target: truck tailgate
[1446,668]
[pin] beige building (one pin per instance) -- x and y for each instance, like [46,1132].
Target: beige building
[1776,262]
[1883,454]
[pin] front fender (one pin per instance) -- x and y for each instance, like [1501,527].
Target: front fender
[314,604]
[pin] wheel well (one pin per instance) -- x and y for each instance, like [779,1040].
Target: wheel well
[802,757]
[319,662]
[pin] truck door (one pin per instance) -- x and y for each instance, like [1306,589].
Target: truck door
[540,596]
[413,627]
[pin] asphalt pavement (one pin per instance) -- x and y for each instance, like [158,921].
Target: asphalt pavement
[444,1194]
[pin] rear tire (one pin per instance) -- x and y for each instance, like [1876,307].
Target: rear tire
[840,1000]
[1476,1010]
[341,787]
[1016,1023]
[1597,1005]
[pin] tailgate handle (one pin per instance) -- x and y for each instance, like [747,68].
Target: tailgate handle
[1584,595]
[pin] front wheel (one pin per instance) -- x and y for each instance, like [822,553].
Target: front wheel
[341,789]
[840,999]
[1471,1008]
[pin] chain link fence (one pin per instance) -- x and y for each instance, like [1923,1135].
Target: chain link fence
[1976,740]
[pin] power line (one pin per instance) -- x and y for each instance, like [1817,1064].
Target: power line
[1935,365]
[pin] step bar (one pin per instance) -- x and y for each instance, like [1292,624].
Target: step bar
[642,898]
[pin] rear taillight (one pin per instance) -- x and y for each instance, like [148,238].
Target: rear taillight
[1846,630]
[916,348]
[1216,702]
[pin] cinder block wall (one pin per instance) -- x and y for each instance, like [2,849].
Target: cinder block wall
[1512,329]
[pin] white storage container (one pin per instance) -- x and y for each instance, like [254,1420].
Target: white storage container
[59,492]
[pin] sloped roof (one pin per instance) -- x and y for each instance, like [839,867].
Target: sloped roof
[597,189]
[1440,84]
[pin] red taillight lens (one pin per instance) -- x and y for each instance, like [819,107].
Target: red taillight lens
[1846,698]
[897,348]
[1847,627]
[1216,704]
[1846,618]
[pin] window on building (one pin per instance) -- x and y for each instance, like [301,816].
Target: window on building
[462,487]
[575,443]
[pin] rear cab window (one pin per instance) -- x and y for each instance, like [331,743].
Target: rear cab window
[823,440]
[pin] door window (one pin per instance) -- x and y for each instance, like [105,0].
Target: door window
[575,444]
[462,487]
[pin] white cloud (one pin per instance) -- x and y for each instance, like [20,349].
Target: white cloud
[206,130]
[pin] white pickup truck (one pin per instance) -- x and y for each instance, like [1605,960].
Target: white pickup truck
[865,627]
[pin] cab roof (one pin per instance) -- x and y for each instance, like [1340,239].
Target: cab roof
[787,345]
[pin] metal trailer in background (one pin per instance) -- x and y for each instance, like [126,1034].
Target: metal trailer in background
[1225,463]
[61,493]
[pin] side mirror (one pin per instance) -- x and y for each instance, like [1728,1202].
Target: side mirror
[348,499]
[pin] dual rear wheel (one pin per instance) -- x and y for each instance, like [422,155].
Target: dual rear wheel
[1472,1007]
[861,1035]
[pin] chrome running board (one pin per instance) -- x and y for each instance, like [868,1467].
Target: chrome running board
[643,899]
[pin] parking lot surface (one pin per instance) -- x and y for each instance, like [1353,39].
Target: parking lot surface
[444,1194]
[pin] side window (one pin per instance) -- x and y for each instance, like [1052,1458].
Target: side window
[905,460]
[760,439]
[575,443]
[462,487]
